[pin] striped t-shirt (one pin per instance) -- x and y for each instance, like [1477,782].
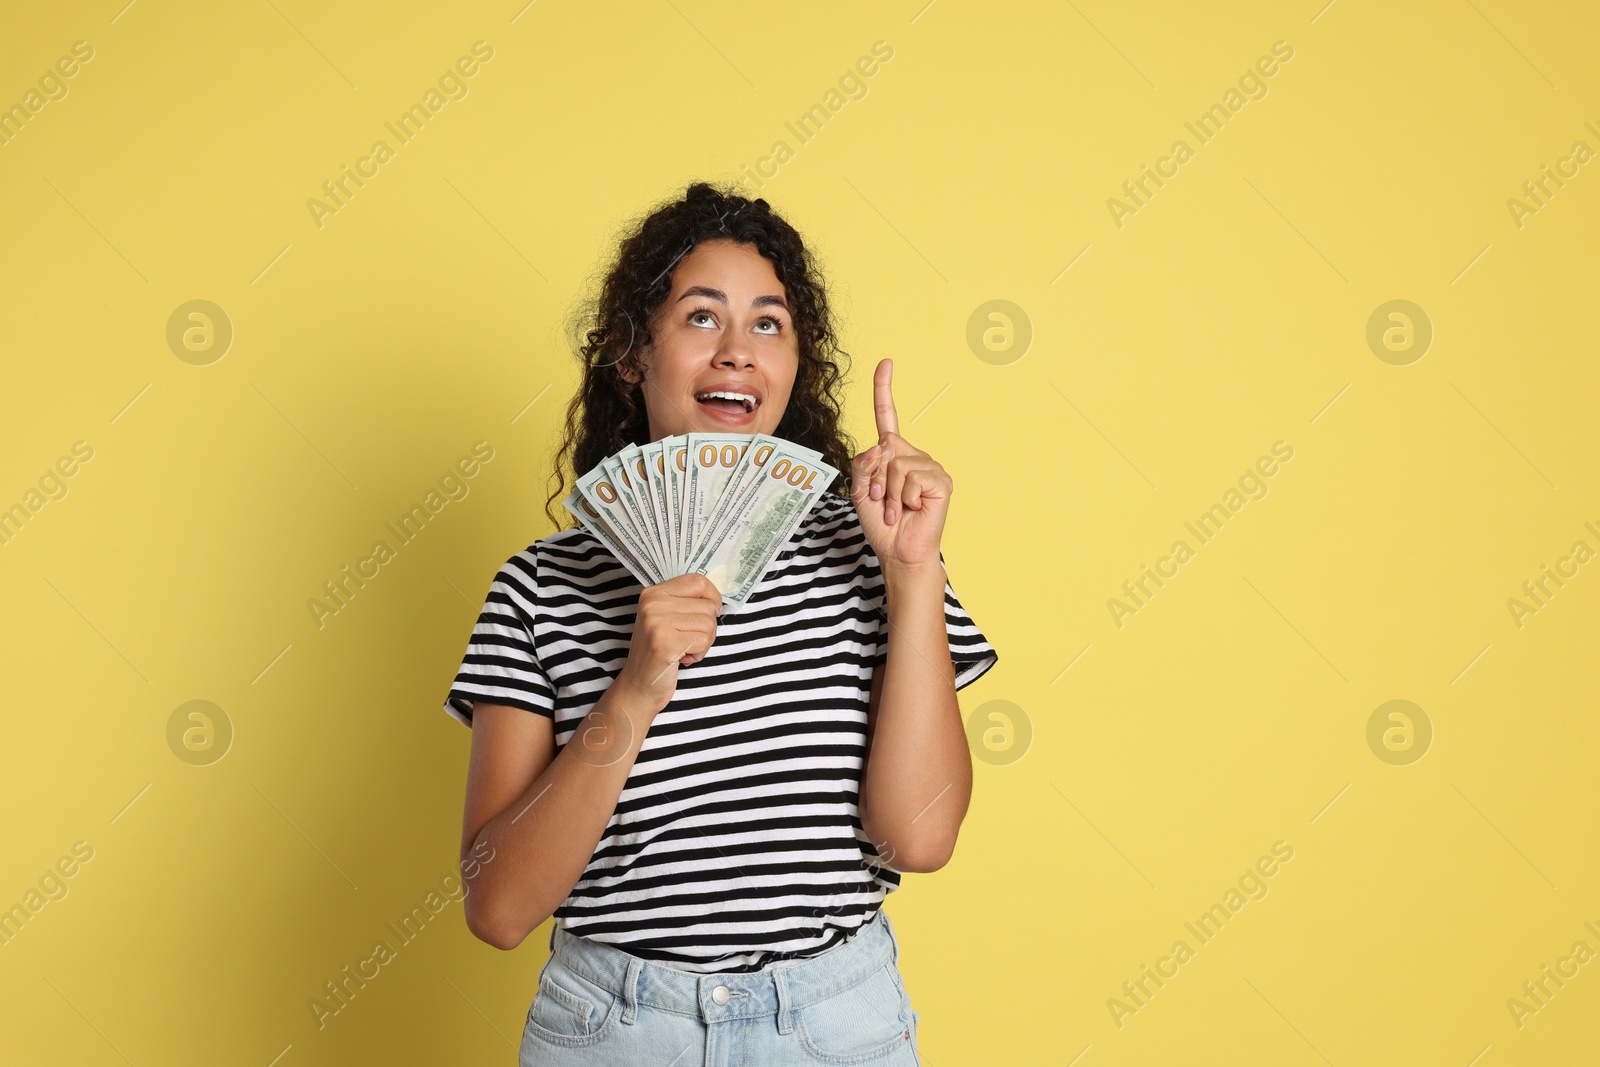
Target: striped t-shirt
[736,842]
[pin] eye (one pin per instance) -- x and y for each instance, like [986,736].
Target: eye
[777,323]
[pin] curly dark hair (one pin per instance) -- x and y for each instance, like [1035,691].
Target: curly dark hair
[608,412]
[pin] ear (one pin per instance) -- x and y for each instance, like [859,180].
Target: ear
[630,372]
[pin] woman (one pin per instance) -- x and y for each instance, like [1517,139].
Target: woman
[713,809]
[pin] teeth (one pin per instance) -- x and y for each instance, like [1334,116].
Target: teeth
[744,398]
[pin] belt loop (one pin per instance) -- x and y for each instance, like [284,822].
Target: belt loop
[894,944]
[780,982]
[630,993]
[552,937]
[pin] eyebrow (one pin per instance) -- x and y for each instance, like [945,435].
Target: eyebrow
[722,298]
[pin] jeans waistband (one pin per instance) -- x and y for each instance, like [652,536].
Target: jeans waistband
[734,995]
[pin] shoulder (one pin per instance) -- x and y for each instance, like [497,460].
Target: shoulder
[563,545]
[562,555]
[565,571]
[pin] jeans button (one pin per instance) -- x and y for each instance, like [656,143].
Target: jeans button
[720,994]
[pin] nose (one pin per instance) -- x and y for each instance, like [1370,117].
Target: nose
[735,352]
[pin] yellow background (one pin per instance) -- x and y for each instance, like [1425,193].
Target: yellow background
[1229,313]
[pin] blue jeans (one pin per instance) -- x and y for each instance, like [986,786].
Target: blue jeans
[597,1004]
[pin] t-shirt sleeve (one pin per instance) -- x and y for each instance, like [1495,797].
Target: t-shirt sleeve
[501,665]
[970,650]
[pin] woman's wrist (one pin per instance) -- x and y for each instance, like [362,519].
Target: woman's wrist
[635,701]
[902,580]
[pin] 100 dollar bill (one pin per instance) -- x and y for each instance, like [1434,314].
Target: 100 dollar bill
[746,477]
[736,556]
[717,504]
[600,489]
[712,458]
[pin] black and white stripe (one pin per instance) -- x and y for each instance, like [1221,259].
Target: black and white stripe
[736,842]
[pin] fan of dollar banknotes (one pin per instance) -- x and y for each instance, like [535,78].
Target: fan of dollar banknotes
[718,504]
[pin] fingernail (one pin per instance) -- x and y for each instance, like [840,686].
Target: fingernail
[877,491]
[888,515]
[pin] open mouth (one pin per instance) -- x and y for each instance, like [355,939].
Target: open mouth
[735,403]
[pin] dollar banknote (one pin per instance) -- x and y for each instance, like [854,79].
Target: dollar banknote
[775,495]
[719,504]
[745,480]
[598,489]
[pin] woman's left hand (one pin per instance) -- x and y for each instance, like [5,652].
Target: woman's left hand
[901,493]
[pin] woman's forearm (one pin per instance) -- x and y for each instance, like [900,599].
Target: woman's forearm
[532,854]
[918,778]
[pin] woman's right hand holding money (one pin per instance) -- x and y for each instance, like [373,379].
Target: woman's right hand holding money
[674,626]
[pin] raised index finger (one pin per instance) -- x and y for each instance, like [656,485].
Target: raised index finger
[883,399]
